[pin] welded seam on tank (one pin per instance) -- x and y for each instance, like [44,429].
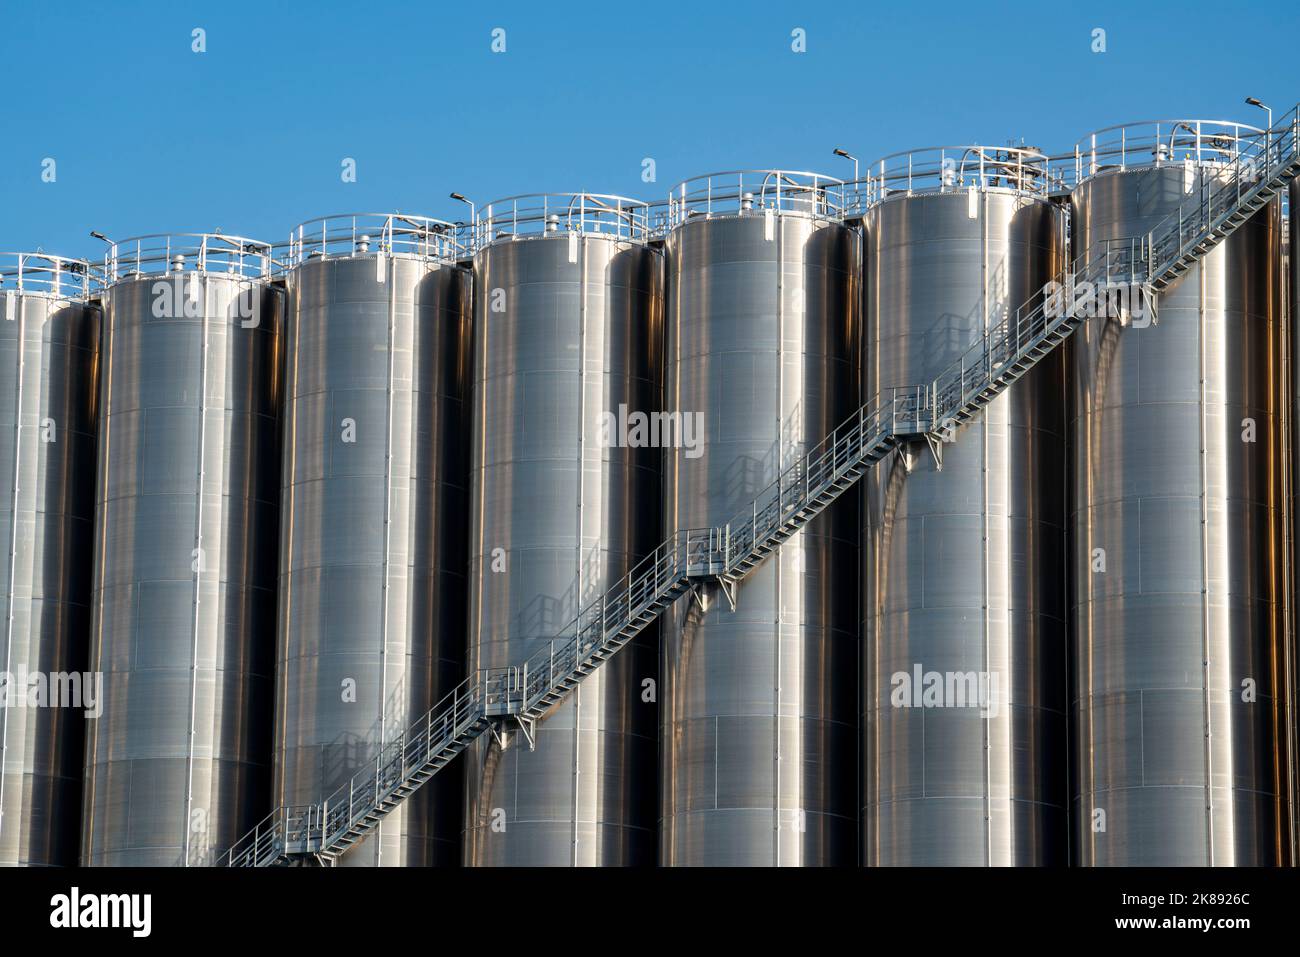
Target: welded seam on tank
[1205,567]
[1291,299]
[1279,561]
[582,449]
[198,569]
[780,556]
[389,268]
[985,730]
[1286,392]
[101,539]
[13,551]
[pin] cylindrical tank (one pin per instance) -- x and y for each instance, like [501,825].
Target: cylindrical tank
[187,503]
[759,719]
[963,600]
[49,351]
[1178,525]
[374,514]
[568,324]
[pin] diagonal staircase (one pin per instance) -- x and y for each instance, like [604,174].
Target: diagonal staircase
[501,700]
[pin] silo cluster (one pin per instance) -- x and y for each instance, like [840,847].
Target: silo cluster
[265,505]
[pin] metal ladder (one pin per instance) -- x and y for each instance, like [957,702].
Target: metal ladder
[501,700]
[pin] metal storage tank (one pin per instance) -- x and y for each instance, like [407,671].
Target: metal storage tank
[187,502]
[962,554]
[375,505]
[49,351]
[568,324]
[759,722]
[1178,525]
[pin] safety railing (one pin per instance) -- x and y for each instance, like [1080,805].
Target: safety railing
[892,414]
[1159,142]
[393,234]
[1225,191]
[542,214]
[213,253]
[946,169]
[40,274]
[745,191]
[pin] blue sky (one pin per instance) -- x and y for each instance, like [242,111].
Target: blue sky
[249,137]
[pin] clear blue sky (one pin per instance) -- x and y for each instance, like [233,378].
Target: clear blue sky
[248,137]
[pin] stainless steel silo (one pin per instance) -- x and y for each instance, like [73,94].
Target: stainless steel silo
[49,352]
[187,503]
[759,724]
[567,326]
[1178,525]
[963,601]
[375,512]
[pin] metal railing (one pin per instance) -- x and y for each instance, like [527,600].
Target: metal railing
[393,234]
[540,214]
[946,169]
[743,191]
[164,253]
[1161,142]
[1261,159]
[728,551]
[39,274]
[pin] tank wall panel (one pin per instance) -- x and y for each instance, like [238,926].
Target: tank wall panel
[759,720]
[962,564]
[558,514]
[1178,493]
[183,617]
[372,557]
[49,353]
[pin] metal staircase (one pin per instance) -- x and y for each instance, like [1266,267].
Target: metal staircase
[502,700]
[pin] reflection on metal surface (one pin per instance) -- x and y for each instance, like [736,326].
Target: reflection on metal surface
[1178,587]
[49,349]
[758,729]
[567,328]
[1291,256]
[184,600]
[962,563]
[372,580]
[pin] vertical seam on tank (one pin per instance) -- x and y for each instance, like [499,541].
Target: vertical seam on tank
[582,452]
[13,552]
[101,535]
[289,475]
[198,560]
[1278,493]
[1284,400]
[777,565]
[390,271]
[476,751]
[1205,568]
[986,427]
